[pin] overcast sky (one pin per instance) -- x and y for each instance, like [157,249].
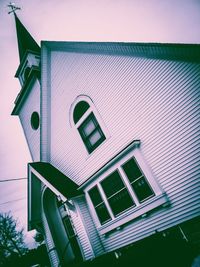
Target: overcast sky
[75,20]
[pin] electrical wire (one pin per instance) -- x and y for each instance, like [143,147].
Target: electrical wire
[11,180]
[7,202]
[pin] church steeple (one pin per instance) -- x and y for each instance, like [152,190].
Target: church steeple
[24,39]
[28,71]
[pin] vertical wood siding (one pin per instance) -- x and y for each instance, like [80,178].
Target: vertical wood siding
[32,136]
[156,101]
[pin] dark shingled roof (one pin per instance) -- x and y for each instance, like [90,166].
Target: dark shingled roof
[24,39]
[57,179]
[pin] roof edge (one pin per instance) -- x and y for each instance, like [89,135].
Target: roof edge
[56,180]
[168,51]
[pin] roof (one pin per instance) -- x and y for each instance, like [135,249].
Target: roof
[167,51]
[56,179]
[24,39]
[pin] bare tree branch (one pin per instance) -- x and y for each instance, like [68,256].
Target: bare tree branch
[11,239]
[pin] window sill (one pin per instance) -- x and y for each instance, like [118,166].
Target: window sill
[133,213]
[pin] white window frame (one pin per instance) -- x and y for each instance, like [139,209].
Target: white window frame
[22,71]
[91,109]
[141,209]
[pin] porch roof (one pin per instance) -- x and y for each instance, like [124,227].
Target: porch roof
[55,179]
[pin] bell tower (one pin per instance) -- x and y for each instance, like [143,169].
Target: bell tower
[29,52]
[27,103]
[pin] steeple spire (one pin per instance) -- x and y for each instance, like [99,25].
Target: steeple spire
[25,40]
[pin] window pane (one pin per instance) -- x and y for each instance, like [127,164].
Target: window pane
[95,196]
[102,213]
[120,201]
[79,110]
[112,184]
[132,170]
[88,127]
[142,189]
[94,138]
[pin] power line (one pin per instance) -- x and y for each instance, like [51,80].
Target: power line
[3,203]
[11,180]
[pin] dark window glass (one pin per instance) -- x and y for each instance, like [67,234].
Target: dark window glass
[91,133]
[35,120]
[79,110]
[137,180]
[120,202]
[95,196]
[132,170]
[102,213]
[26,73]
[142,189]
[99,205]
[72,238]
[68,227]
[112,184]
[116,193]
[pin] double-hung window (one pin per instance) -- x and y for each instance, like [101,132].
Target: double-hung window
[88,126]
[116,193]
[122,189]
[91,133]
[99,205]
[125,192]
[138,181]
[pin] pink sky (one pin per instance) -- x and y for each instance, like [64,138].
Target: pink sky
[75,20]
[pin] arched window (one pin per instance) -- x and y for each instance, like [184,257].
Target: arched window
[79,110]
[88,126]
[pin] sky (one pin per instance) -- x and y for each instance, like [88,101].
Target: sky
[171,21]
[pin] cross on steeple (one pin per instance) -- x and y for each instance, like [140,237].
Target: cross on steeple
[13,7]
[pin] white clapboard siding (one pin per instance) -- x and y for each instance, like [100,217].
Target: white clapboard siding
[156,101]
[86,248]
[69,79]
[90,240]
[31,104]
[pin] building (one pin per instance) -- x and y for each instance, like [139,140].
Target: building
[113,131]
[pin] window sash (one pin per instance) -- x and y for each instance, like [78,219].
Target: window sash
[142,189]
[125,194]
[116,192]
[112,184]
[120,201]
[138,181]
[94,138]
[88,134]
[99,205]
[102,213]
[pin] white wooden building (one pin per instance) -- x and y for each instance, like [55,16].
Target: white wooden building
[113,131]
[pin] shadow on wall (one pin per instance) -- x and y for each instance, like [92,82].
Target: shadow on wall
[166,249]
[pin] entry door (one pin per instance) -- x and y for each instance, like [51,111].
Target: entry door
[70,231]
